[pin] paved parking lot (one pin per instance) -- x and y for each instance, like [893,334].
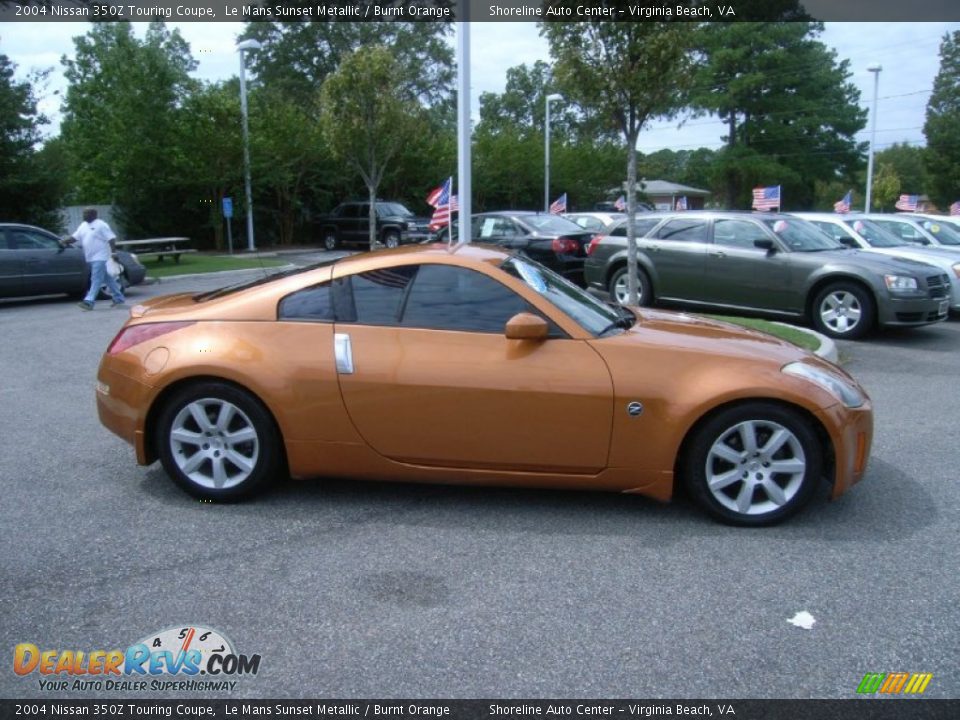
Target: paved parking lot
[349,589]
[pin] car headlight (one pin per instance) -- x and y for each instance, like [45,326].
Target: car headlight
[846,393]
[901,283]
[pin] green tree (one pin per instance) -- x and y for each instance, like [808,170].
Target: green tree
[367,114]
[909,162]
[942,126]
[297,57]
[121,125]
[30,181]
[790,110]
[886,187]
[628,73]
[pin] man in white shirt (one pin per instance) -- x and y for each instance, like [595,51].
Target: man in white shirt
[97,240]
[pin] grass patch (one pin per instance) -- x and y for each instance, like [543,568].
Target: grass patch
[793,335]
[197,263]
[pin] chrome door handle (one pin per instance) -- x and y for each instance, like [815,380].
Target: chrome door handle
[343,353]
[718,253]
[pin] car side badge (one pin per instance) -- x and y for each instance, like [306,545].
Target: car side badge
[635,409]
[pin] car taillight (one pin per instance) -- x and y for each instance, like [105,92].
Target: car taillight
[136,334]
[564,245]
[594,241]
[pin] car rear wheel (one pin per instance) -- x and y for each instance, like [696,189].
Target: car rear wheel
[753,464]
[620,290]
[843,310]
[391,239]
[217,442]
[329,240]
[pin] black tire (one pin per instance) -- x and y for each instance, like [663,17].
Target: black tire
[843,310]
[618,281]
[330,241]
[193,465]
[391,239]
[745,481]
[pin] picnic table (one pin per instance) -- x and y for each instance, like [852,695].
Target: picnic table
[172,246]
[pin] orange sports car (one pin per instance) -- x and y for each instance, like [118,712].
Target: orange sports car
[474,366]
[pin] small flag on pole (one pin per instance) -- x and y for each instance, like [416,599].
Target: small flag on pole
[766,198]
[559,205]
[620,204]
[908,203]
[682,202]
[843,204]
[955,208]
[445,205]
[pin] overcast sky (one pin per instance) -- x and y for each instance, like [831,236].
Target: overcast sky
[908,53]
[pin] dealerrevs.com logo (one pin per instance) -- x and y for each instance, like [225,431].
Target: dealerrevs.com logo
[190,657]
[894,683]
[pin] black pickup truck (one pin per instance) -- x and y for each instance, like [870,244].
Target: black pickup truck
[349,223]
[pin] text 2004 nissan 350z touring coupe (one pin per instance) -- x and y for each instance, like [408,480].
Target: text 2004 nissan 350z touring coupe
[471,365]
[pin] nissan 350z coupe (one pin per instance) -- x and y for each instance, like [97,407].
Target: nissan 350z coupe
[471,365]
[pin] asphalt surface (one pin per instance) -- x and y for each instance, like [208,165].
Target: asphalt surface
[378,590]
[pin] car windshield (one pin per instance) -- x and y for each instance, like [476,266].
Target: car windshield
[592,315]
[874,234]
[945,234]
[801,236]
[392,208]
[550,224]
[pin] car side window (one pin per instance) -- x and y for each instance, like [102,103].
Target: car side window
[737,233]
[692,230]
[643,226]
[444,297]
[378,295]
[29,240]
[312,303]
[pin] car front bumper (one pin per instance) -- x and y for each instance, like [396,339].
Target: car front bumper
[905,312]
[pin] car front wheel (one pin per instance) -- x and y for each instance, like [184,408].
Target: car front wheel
[620,288]
[391,240]
[844,311]
[217,442]
[329,240]
[753,464]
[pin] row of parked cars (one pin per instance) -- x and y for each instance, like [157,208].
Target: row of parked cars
[846,274]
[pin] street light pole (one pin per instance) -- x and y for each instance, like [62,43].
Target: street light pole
[875,69]
[241,47]
[546,152]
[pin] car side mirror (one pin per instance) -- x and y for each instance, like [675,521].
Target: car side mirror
[765,244]
[526,326]
[849,242]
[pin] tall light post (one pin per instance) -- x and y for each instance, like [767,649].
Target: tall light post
[241,48]
[546,152]
[875,69]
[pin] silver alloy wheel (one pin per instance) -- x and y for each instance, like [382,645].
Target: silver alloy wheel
[391,240]
[214,443]
[840,311]
[755,467]
[329,240]
[621,290]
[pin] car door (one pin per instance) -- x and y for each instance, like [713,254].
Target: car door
[742,275]
[428,376]
[677,252]
[11,282]
[46,266]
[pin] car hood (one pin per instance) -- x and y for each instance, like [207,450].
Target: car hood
[871,261]
[676,331]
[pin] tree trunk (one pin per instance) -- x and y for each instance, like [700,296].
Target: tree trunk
[732,186]
[631,218]
[373,216]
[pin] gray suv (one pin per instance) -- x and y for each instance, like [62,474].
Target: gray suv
[769,264]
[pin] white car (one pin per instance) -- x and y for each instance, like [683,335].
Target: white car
[858,231]
[595,221]
[951,221]
[920,229]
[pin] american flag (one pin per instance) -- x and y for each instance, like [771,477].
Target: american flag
[444,204]
[766,198]
[682,202]
[907,203]
[559,205]
[620,204]
[955,208]
[843,204]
